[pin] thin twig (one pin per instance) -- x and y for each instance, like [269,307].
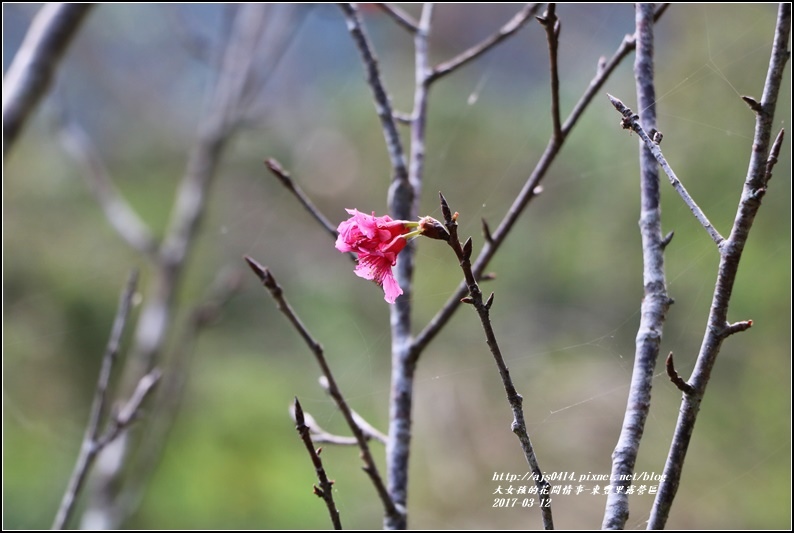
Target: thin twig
[217,127]
[403,18]
[119,424]
[369,430]
[551,23]
[89,448]
[603,73]
[758,174]
[319,434]
[130,411]
[737,327]
[283,176]
[677,380]
[283,23]
[117,210]
[530,189]
[631,122]
[370,467]
[655,302]
[326,489]
[512,26]
[382,102]
[34,64]
[225,286]
[419,114]
[405,352]
[772,160]
[519,426]
[166,404]
[112,500]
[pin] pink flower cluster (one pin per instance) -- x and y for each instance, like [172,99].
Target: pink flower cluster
[377,241]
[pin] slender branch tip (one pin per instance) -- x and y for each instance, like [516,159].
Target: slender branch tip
[260,271]
[754,104]
[299,418]
[677,380]
[773,155]
[275,166]
[737,327]
[667,238]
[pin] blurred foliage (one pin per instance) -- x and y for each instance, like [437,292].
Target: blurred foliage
[568,285]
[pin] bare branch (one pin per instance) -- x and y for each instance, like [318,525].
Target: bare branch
[603,72]
[167,402]
[319,434]
[369,430]
[530,190]
[519,427]
[220,120]
[223,288]
[325,490]
[117,210]
[403,18]
[677,380]
[631,121]
[406,206]
[283,176]
[31,71]
[551,23]
[403,200]
[512,26]
[130,411]
[216,130]
[382,102]
[89,447]
[281,26]
[369,463]
[730,255]
[737,327]
[655,302]
[419,114]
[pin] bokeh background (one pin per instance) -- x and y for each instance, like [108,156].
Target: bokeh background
[568,280]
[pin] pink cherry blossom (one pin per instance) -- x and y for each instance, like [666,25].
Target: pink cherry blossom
[377,241]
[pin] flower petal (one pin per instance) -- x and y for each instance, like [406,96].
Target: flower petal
[391,289]
[377,241]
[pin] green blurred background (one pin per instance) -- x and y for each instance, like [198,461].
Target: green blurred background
[568,280]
